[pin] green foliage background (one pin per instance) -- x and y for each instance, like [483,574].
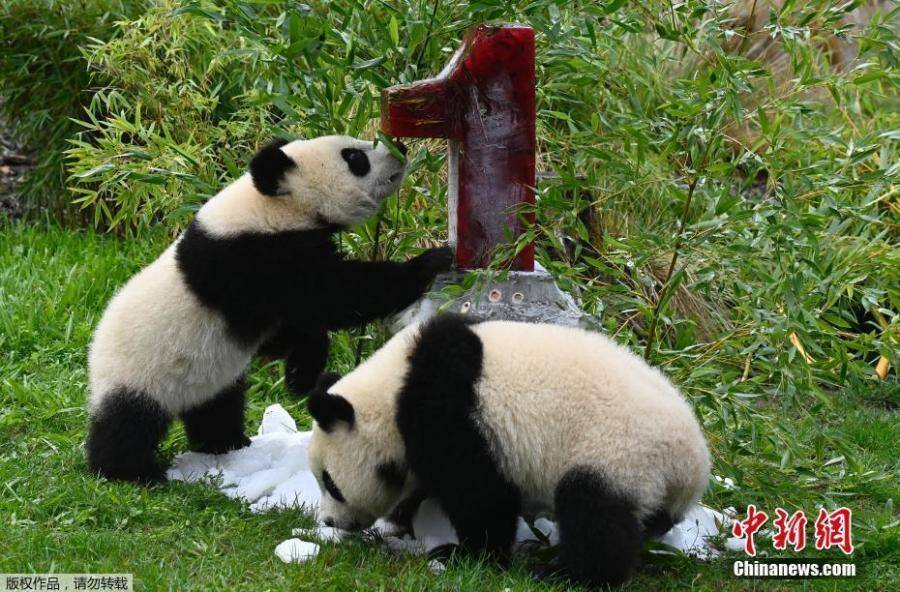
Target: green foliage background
[650,114]
[45,81]
[724,196]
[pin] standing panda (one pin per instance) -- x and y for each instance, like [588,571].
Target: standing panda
[257,265]
[500,418]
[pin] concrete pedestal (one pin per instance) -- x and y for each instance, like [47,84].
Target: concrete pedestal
[531,297]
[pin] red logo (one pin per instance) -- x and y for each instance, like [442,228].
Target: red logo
[833,530]
[748,527]
[790,531]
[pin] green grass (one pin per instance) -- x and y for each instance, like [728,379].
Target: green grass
[54,516]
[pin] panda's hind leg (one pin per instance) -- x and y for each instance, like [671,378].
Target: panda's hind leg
[600,537]
[124,432]
[217,426]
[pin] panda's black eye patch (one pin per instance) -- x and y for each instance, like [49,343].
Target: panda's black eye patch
[357,161]
[331,488]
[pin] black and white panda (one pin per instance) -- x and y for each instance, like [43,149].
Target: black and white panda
[498,419]
[258,264]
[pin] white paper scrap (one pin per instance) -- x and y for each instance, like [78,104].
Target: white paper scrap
[296,551]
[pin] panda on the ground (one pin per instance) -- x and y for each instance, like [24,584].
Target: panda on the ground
[497,419]
[258,265]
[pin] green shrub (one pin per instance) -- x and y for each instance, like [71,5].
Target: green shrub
[173,123]
[194,90]
[44,79]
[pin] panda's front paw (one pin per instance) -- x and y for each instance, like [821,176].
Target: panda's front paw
[432,262]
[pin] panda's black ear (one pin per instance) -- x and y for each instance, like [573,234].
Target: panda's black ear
[328,410]
[269,166]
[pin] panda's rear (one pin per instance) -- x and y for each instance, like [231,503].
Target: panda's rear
[583,400]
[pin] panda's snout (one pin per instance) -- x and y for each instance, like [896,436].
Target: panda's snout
[351,525]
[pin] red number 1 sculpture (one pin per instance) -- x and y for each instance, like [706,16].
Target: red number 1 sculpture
[483,104]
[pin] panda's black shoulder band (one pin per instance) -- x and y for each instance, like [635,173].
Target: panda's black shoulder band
[269,166]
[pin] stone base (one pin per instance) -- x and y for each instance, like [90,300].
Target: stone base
[531,297]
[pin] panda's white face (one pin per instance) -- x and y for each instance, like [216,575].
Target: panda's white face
[354,478]
[344,178]
[356,451]
[338,179]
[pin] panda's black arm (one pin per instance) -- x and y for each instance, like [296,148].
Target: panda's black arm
[350,293]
